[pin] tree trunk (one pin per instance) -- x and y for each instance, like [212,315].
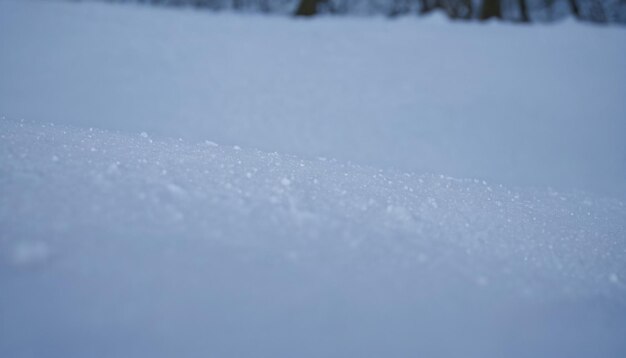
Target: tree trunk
[426,6]
[490,8]
[549,4]
[573,6]
[307,8]
[523,10]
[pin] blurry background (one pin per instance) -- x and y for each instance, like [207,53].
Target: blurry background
[597,11]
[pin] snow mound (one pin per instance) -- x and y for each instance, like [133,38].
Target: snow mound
[127,245]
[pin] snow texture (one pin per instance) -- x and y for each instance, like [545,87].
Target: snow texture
[111,241]
[186,202]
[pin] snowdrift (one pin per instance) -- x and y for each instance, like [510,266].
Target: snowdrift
[127,245]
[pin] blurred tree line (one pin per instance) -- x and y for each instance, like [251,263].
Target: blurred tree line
[524,11]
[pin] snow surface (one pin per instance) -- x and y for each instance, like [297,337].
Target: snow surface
[518,105]
[120,245]
[186,202]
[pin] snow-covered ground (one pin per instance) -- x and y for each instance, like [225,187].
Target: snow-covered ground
[518,105]
[122,245]
[333,218]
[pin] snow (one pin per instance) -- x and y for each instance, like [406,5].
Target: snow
[518,105]
[243,186]
[140,240]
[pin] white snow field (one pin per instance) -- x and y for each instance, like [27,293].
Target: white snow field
[179,183]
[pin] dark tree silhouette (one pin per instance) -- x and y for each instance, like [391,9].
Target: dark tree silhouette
[573,6]
[455,9]
[427,6]
[597,11]
[489,9]
[308,7]
[523,9]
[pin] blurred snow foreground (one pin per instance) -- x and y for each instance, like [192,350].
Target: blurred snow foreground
[128,241]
